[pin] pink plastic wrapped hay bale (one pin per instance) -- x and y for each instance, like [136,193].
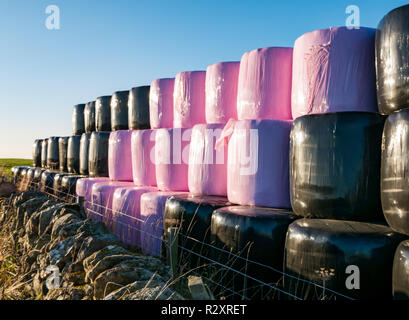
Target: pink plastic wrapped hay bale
[161,103]
[221,91]
[126,218]
[207,166]
[83,190]
[102,198]
[334,70]
[258,163]
[143,157]
[152,212]
[120,156]
[172,158]
[189,99]
[264,88]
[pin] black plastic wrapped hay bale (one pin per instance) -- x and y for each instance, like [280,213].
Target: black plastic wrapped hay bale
[73,154]
[57,179]
[400,274]
[192,215]
[89,117]
[84,148]
[98,154]
[335,161]
[44,150]
[138,108]
[395,171]
[62,147]
[16,173]
[68,186]
[78,124]
[119,110]
[37,153]
[323,251]
[392,61]
[47,182]
[37,176]
[53,154]
[30,179]
[103,113]
[251,241]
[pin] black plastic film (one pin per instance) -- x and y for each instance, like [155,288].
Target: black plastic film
[62,146]
[37,153]
[44,151]
[119,110]
[53,153]
[138,108]
[395,171]
[78,124]
[98,154]
[73,154]
[103,113]
[192,215]
[392,61]
[335,163]
[57,179]
[400,274]
[68,186]
[250,239]
[354,259]
[89,117]
[37,175]
[84,147]
[47,181]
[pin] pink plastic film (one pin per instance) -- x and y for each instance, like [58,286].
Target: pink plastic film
[119,156]
[143,157]
[161,103]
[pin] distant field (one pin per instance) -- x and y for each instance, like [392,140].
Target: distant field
[7,164]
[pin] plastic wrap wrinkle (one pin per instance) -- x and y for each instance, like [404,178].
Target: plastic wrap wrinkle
[161,103]
[318,248]
[334,70]
[138,108]
[119,155]
[264,85]
[335,163]
[207,165]
[103,113]
[258,165]
[189,99]
[221,91]
[143,157]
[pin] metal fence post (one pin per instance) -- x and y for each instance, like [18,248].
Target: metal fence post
[173,248]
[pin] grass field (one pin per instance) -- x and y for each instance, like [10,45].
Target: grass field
[7,164]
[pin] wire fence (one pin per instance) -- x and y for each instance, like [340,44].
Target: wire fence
[228,274]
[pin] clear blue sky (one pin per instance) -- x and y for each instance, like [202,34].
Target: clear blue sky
[109,45]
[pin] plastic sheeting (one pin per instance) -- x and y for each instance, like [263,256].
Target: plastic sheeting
[126,217]
[138,108]
[172,158]
[53,153]
[78,124]
[395,171]
[44,151]
[73,154]
[189,99]
[318,250]
[258,165]
[84,148]
[120,156]
[392,61]
[83,190]
[264,87]
[57,184]
[143,157]
[103,113]
[207,166]
[245,237]
[102,199]
[192,215]
[221,91]
[161,103]
[334,70]
[400,274]
[119,110]
[16,173]
[68,186]
[152,211]
[62,147]
[37,153]
[37,175]
[89,117]
[335,161]
[47,182]
[98,154]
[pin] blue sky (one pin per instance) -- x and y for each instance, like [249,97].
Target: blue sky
[109,45]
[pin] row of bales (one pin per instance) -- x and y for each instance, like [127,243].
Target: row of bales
[293,159]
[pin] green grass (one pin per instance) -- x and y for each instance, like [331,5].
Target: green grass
[7,164]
